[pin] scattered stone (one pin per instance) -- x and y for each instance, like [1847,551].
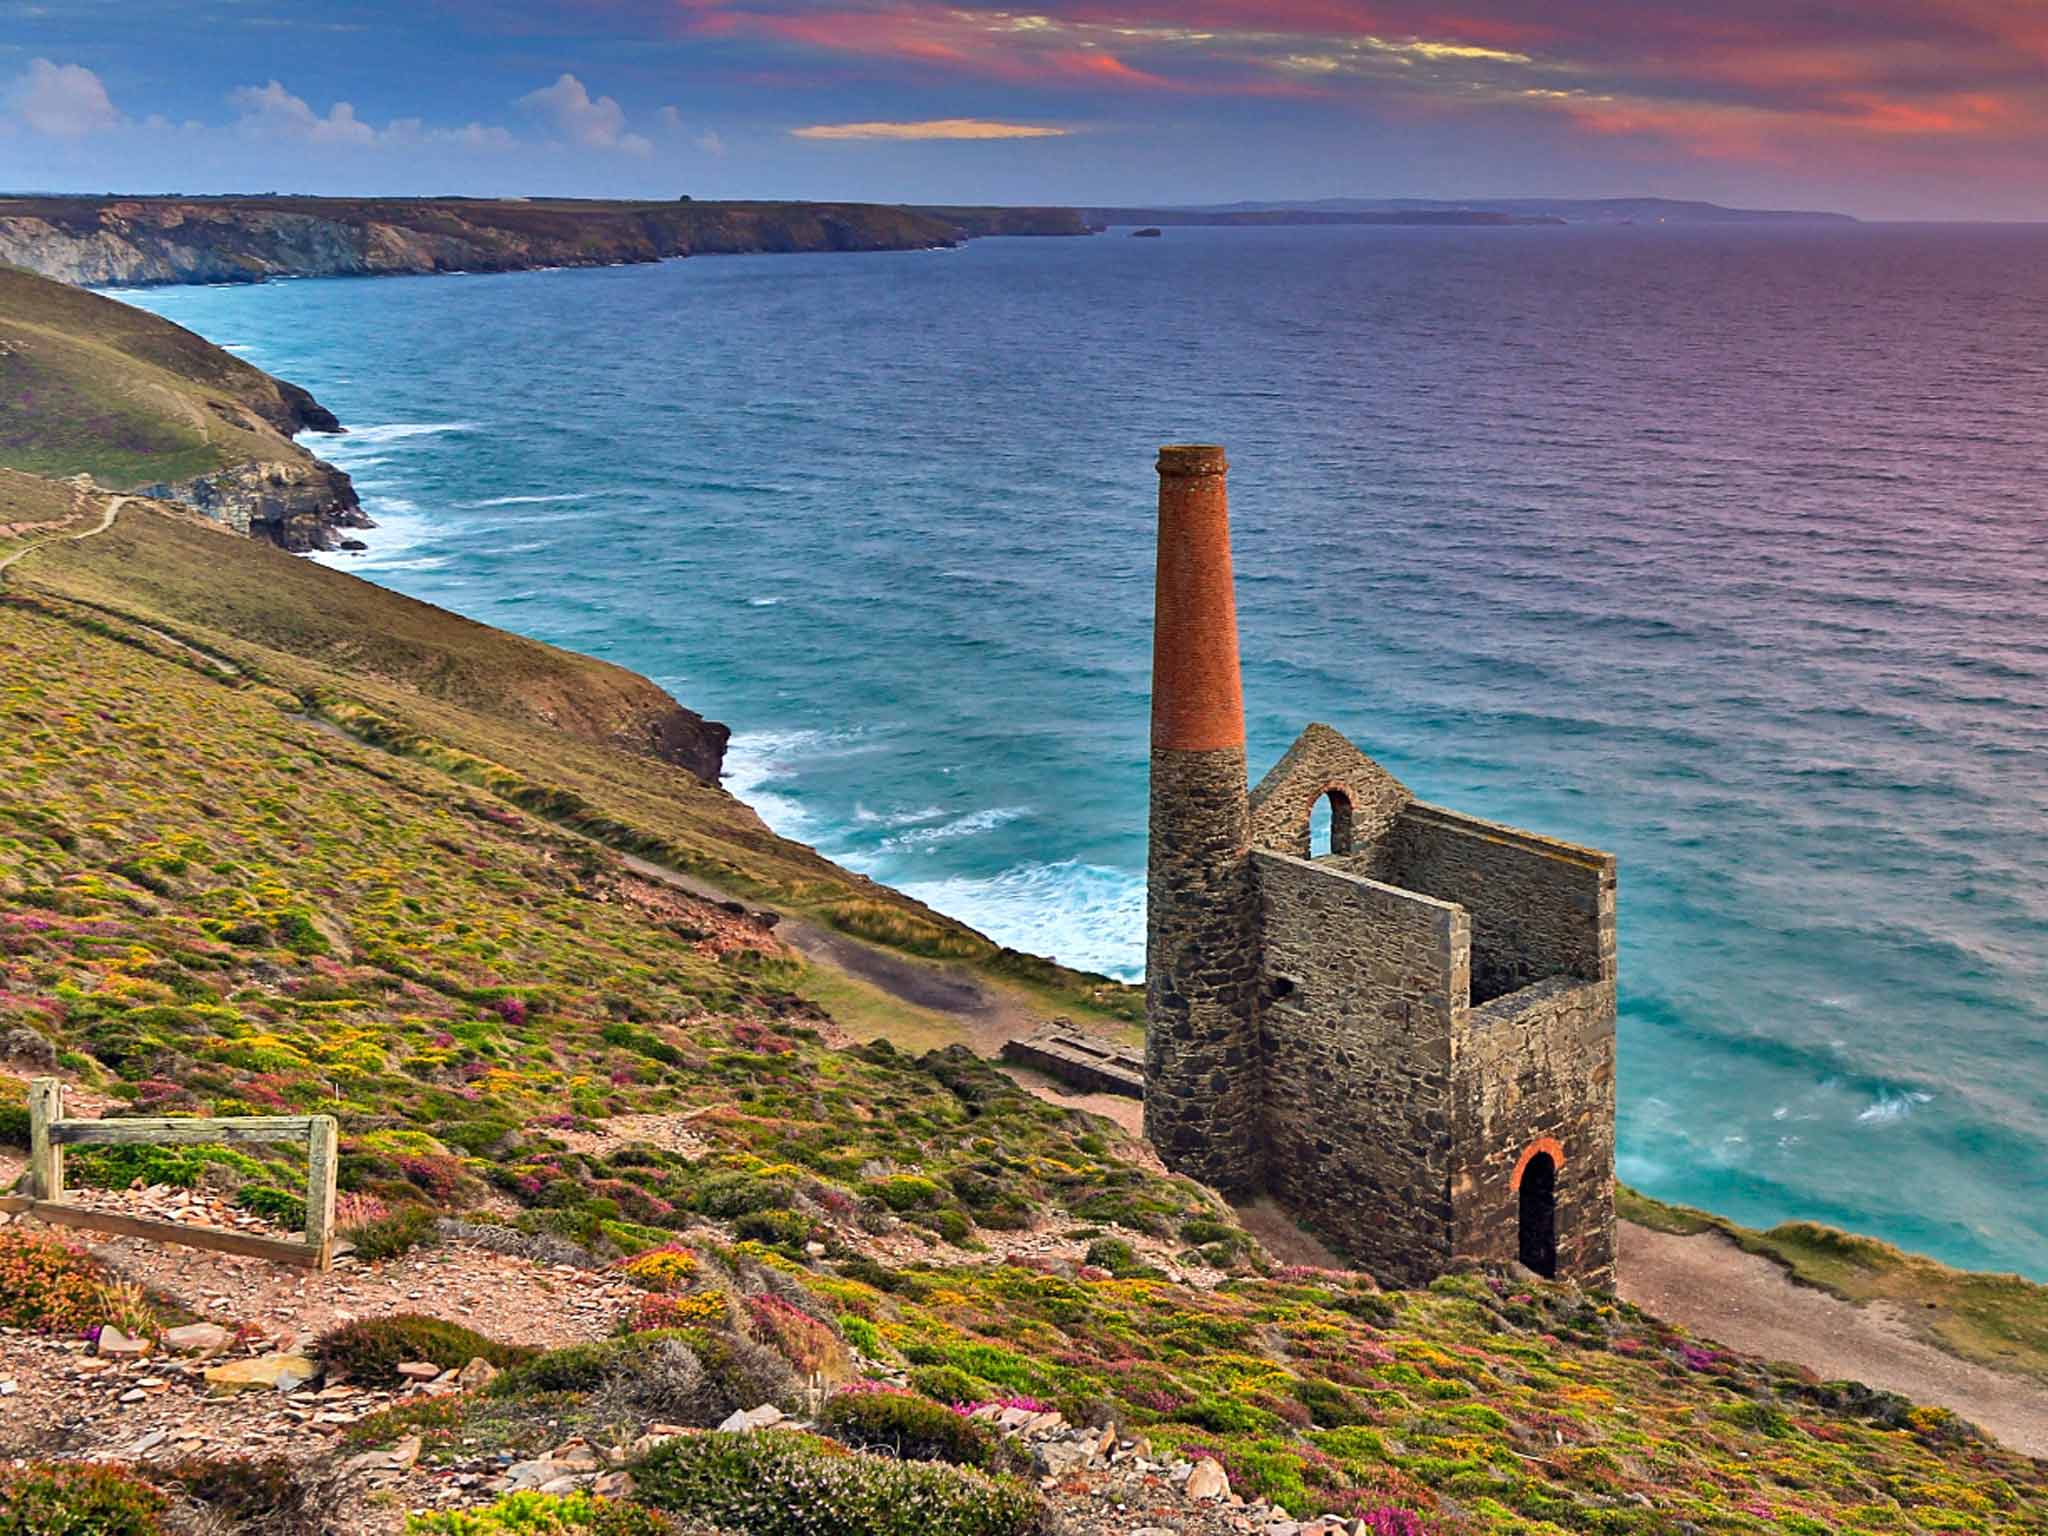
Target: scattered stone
[281,1371]
[29,1048]
[479,1373]
[1206,1481]
[418,1370]
[196,1338]
[575,1456]
[116,1345]
[522,1476]
[764,1417]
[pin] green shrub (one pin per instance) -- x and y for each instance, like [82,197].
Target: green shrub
[543,1514]
[248,1492]
[118,1167]
[387,1237]
[778,1229]
[779,1483]
[690,1376]
[278,1205]
[727,1195]
[911,1428]
[77,1499]
[908,1192]
[13,1125]
[1225,1416]
[370,1349]
[1118,1257]
[949,1384]
[952,1225]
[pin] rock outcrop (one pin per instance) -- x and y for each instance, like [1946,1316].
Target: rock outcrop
[299,505]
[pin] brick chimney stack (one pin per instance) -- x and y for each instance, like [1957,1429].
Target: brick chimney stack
[1202,1098]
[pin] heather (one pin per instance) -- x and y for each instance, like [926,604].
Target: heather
[209,904]
[214,907]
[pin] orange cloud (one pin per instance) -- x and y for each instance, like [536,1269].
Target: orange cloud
[936,128]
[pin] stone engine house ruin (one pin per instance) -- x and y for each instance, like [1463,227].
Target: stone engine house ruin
[1408,1040]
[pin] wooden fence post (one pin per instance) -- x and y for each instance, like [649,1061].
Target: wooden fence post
[45,1156]
[320,1164]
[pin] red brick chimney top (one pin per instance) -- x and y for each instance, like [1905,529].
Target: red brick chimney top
[1197,695]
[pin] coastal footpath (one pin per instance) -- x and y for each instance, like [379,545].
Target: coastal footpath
[135,241]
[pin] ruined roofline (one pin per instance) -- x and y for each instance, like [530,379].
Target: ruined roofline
[1332,869]
[1581,854]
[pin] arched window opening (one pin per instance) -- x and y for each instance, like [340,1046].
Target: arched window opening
[1538,1195]
[1329,824]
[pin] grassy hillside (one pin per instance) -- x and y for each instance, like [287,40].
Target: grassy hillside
[562,736]
[211,903]
[95,387]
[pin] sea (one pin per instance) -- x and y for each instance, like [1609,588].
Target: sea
[1724,548]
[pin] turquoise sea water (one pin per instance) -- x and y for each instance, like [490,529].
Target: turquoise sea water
[1727,550]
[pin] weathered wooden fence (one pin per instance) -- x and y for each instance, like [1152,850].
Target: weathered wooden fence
[50,1133]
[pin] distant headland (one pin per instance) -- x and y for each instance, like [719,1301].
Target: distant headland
[1465,211]
[149,240]
[157,240]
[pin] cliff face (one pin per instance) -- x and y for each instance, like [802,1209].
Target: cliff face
[175,240]
[299,505]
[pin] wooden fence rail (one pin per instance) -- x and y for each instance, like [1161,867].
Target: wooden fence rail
[50,1133]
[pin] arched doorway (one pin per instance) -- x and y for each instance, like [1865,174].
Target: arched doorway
[1329,824]
[1537,1193]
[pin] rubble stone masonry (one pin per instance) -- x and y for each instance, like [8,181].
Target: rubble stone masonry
[1357,1023]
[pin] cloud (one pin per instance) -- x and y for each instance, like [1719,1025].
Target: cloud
[271,111]
[592,122]
[937,128]
[1754,79]
[63,101]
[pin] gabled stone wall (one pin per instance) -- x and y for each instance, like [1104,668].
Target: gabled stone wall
[1321,761]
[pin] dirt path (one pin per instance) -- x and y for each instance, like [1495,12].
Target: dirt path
[1747,1302]
[989,1018]
[113,510]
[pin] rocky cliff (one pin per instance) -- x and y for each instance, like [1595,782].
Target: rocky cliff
[298,505]
[178,240]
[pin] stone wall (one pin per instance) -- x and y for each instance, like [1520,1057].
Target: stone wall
[1540,908]
[1202,1072]
[1536,1067]
[1361,990]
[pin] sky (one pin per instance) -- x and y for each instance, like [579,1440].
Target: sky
[1883,108]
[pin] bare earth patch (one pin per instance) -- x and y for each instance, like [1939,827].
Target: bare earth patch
[1743,1300]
